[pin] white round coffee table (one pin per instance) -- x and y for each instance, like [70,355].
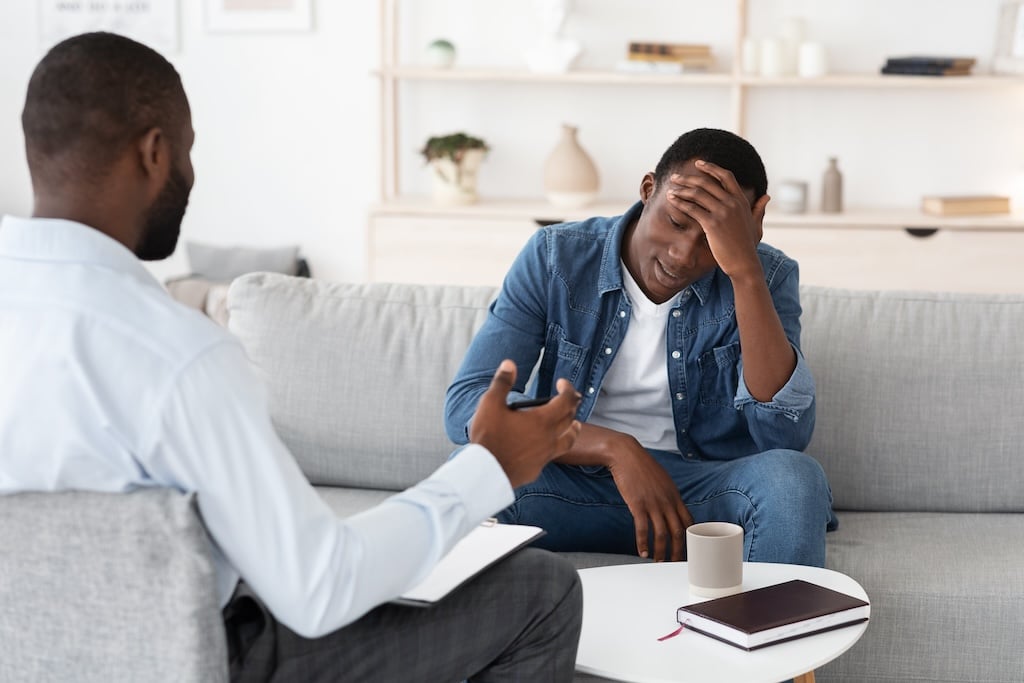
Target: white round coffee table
[626,608]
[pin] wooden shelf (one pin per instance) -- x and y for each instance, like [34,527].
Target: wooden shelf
[516,209]
[894,219]
[411,239]
[597,77]
[875,80]
[513,75]
[539,209]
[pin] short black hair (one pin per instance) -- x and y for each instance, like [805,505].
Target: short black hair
[91,95]
[720,147]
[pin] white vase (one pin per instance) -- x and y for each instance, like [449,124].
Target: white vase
[571,180]
[552,52]
[455,182]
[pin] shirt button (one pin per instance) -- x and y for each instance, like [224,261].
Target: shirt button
[622,314]
[608,351]
[676,313]
[590,390]
[690,456]
[676,354]
[679,396]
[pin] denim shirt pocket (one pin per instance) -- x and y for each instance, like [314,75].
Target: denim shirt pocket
[719,377]
[562,357]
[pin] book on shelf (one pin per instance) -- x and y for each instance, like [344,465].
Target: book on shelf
[965,205]
[926,70]
[482,547]
[773,614]
[669,49]
[698,62]
[929,65]
[926,60]
[672,67]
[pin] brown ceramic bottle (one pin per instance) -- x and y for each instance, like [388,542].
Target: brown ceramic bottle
[832,188]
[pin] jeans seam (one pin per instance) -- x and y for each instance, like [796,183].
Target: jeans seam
[572,501]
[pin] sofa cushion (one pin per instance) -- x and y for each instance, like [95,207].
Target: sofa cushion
[947,594]
[357,373]
[929,423]
[107,587]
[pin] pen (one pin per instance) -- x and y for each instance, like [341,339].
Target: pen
[528,403]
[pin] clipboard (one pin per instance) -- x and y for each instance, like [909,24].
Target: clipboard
[485,545]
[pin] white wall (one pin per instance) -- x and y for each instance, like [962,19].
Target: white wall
[287,124]
[286,131]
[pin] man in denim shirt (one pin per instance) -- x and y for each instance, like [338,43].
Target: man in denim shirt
[682,332]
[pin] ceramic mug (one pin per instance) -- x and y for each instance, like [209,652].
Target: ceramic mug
[714,559]
[791,196]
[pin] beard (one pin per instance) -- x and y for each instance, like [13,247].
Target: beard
[163,219]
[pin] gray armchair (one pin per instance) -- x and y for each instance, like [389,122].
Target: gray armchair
[107,587]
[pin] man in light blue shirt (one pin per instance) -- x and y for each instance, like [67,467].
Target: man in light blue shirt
[682,331]
[110,385]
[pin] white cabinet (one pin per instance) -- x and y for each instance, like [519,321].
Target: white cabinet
[416,242]
[410,239]
[881,258]
[445,250]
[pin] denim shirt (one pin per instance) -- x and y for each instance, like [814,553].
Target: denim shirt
[563,302]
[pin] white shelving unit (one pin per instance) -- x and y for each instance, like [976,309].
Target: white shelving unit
[480,240]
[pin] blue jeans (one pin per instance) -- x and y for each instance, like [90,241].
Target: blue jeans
[780,497]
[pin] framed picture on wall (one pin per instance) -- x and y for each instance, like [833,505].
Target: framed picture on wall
[1009,57]
[232,16]
[154,22]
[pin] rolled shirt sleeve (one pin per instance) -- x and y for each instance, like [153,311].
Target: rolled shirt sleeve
[795,397]
[315,571]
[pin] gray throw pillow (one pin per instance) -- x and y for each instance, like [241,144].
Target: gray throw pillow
[224,264]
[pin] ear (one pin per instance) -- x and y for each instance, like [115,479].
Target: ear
[647,186]
[154,156]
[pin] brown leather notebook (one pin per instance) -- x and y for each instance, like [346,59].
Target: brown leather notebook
[773,614]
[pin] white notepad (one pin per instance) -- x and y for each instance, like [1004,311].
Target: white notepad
[478,550]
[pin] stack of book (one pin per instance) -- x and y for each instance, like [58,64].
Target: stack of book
[924,65]
[667,57]
[965,205]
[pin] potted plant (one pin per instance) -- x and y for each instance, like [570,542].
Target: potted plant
[454,160]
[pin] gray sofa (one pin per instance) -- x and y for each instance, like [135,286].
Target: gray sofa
[917,429]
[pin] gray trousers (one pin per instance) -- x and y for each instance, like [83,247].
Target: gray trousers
[518,621]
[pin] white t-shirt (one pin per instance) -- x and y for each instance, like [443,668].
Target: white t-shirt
[108,384]
[634,397]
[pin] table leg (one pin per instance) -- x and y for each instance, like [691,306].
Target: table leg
[805,678]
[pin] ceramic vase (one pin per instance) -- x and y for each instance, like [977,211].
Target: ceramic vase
[552,52]
[832,188]
[570,176]
[440,54]
[455,181]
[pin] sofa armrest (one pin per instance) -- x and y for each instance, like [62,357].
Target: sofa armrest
[108,587]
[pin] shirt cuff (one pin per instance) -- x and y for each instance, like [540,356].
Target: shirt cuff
[796,395]
[479,481]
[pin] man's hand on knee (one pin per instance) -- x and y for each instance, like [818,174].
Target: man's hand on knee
[654,502]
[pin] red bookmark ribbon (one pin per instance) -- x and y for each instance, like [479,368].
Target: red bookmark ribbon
[673,634]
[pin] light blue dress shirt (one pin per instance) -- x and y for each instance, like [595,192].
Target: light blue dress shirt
[108,384]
